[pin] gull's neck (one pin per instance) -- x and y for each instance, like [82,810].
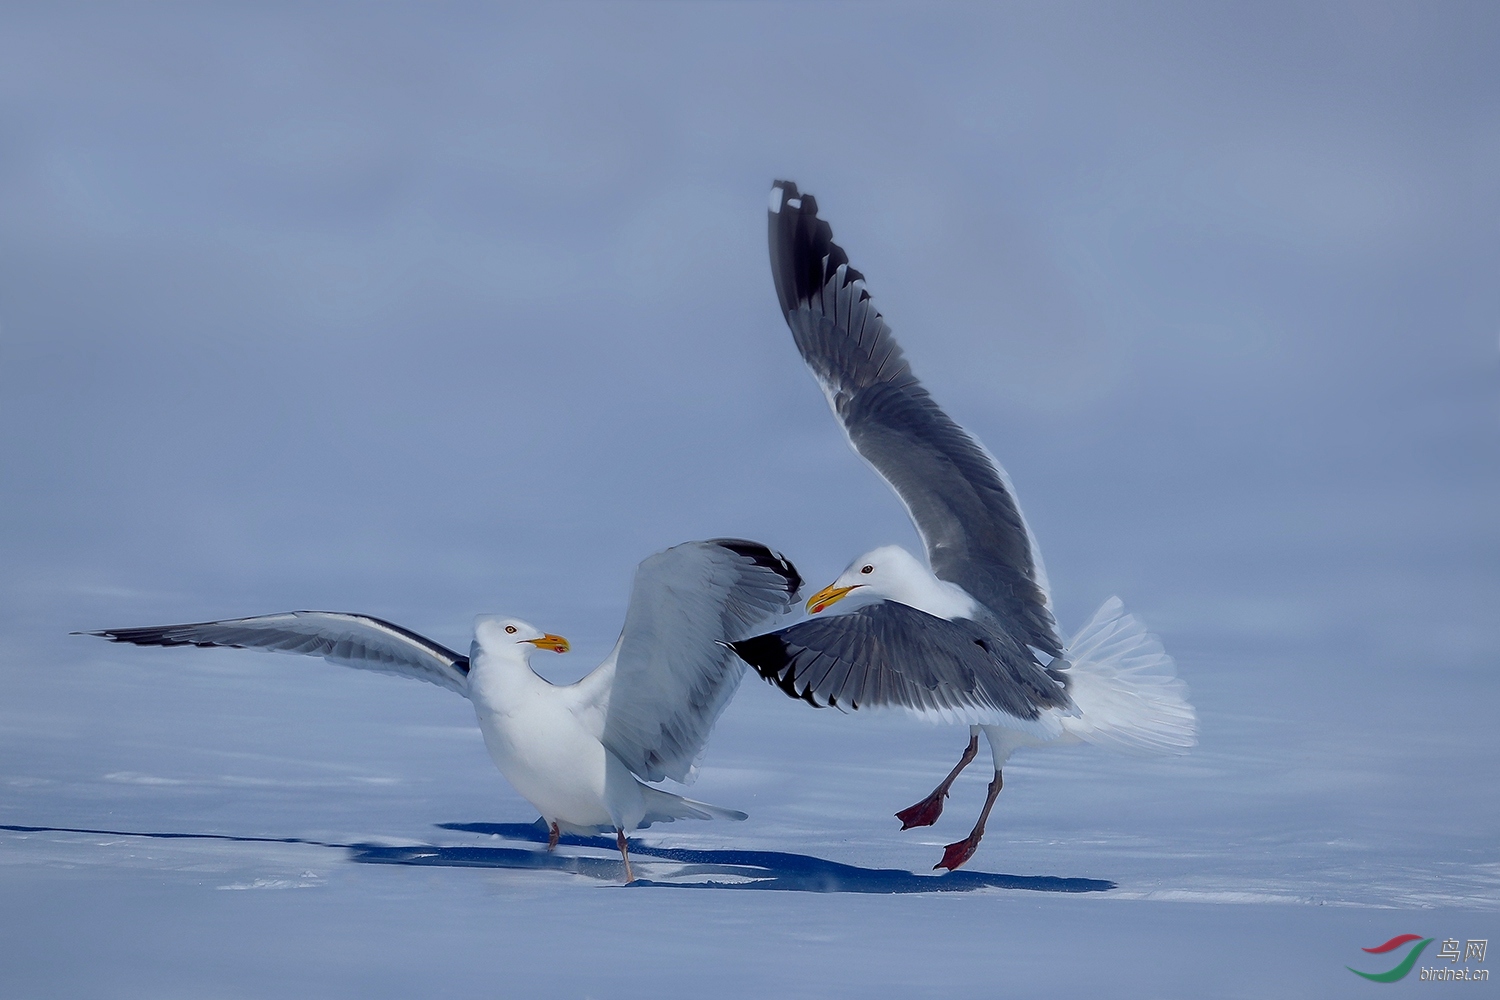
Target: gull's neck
[498,677]
[915,585]
[515,660]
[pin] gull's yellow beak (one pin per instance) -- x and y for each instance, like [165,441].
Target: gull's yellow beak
[828,595]
[556,643]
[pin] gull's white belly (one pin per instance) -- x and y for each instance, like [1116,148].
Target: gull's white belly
[543,750]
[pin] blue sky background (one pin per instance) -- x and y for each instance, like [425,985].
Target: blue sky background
[425,312]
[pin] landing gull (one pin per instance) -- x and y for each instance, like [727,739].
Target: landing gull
[580,753]
[968,637]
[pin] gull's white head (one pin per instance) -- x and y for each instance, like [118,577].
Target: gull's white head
[500,636]
[891,573]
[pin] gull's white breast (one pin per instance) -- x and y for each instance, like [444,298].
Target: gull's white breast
[539,744]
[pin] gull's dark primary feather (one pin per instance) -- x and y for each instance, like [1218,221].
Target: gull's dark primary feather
[954,491]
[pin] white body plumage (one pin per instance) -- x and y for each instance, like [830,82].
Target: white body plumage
[544,737]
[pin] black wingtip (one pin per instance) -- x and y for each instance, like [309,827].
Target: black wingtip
[803,254]
[117,634]
[150,636]
[781,193]
[768,656]
[111,634]
[765,557]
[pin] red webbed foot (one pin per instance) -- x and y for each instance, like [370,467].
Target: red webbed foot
[956,854]
[924,813]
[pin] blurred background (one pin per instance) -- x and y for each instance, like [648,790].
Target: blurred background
[430,311]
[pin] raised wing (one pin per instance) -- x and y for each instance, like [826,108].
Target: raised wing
[673,670]
[352,640]
[956,494]
[894,655]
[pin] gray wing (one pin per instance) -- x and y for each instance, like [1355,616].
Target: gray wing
[894,655]
[956,494]
[352,640]
[673,672]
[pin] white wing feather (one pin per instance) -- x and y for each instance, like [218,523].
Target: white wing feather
[670,676]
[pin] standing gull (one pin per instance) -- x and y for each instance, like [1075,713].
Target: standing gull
[579,752]
[969,637]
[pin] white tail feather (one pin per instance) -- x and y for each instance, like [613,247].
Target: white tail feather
[1126,687]
[664,807]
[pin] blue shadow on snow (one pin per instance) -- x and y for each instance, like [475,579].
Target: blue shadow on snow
[763,870]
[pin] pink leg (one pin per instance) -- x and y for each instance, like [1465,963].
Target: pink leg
[926,812]
[624,853]
[956,854]
[552,838]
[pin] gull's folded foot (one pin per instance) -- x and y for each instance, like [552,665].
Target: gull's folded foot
[552,837]
[924,813]
[956,854]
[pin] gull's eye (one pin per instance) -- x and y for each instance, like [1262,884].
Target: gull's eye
[868,569]
[511,629]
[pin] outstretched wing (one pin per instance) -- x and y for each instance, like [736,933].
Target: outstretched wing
[673,672]
[352,640]
[957,495]
[894,655]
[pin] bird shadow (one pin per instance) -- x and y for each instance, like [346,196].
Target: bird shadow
[718,869]
[694,869]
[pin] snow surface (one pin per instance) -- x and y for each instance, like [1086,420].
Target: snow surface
[182,821]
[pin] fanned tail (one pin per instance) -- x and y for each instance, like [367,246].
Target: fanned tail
[1126,687]
[664,807]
